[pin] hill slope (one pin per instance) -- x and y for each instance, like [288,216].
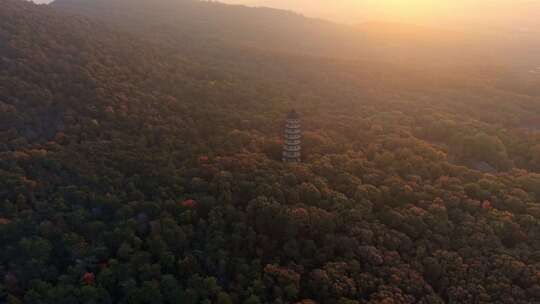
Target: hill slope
[207,22]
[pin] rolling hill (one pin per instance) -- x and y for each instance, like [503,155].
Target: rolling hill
[194,22]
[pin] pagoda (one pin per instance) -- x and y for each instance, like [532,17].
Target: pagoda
[292,139]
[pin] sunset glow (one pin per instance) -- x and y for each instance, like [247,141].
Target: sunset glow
[519,13]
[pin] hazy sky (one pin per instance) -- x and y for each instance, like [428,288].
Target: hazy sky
[521,14]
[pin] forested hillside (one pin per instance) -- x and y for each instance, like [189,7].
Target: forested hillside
[135,168]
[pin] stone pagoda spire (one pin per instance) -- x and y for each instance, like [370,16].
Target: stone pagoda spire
[292,139]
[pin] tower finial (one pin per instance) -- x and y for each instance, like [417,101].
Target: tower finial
[293,115]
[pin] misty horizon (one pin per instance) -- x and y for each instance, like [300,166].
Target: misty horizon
[517,15]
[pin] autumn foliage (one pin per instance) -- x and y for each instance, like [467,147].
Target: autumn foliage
[148,171]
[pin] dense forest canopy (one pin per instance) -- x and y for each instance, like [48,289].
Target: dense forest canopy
[140,162]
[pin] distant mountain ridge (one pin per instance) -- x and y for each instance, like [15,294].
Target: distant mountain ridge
[285,31]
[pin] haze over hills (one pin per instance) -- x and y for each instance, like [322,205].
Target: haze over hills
[288,32]
[141,159]
[519,15]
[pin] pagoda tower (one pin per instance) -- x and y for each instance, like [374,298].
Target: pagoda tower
[292,139]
